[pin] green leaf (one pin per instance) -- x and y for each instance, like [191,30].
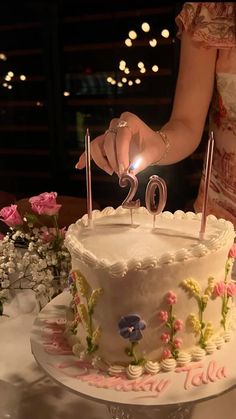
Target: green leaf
[84,316]
[93,299]
[82,284]
[31,218]
[96,335]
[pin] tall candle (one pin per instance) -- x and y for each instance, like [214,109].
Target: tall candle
[88,177]
[209,156]
[155,182]
[129,179]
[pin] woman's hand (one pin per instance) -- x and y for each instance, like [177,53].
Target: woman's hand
[120,145]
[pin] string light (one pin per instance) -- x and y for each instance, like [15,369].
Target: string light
[9,86]
[7,78]
[153,42]
[128,42]
[119,84]
[3,57]
[145,27]
[10,74]
[137,81]
[66,93]
[124,80]
[140,64]
[126,70]
[109,79]
[143,70]
[165,33]
[5,84]
[130,83]
[22,77]
[155,68]
[132,35]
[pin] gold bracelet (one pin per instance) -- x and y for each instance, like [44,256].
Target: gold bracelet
[167,146]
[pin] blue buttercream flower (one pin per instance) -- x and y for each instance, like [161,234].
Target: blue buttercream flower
[130,327]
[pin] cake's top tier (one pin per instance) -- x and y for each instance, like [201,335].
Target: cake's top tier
[113,243]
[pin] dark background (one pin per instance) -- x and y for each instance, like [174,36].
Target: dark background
[73,46]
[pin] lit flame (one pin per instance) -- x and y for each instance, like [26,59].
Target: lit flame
[136,164]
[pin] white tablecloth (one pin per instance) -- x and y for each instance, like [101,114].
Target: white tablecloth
[26,393]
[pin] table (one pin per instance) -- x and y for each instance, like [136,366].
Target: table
[27,389]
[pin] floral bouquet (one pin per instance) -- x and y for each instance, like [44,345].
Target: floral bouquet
[32,253]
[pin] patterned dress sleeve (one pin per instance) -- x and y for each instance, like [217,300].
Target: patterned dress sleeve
[211,24]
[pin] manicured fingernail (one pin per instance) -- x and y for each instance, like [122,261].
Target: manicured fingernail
[121,169]
[108,170]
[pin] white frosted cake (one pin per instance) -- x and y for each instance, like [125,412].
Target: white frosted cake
[148,299]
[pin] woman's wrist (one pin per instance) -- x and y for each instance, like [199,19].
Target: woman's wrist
[165,146]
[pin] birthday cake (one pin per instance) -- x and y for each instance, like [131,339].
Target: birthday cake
[149,299]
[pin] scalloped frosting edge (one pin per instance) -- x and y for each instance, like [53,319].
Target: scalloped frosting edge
[120,269]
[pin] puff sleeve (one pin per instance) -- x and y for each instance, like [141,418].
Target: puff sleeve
[211,24]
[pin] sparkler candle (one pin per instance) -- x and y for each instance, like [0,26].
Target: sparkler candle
[88,178]
[209,156]
[153,207]
[126,179]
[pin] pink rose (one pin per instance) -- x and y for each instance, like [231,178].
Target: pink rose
[50,234]
[11,216]
[219,289]
[178,325]
[231,289]
[171,298]
[165,337]
[177,343]
[45,203]
[232,252]
[166,353]
[163,316]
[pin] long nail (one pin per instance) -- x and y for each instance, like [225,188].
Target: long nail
[108,170]
[121,169]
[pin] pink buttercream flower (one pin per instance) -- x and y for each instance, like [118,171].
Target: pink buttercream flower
[232,252]
[219,289]
[231,289]
[77,318]
[177,343]
[163,316]
[76,299]
[45,203]
[10,216]
[166,353]
[165,337]
[171,298]
[178,325]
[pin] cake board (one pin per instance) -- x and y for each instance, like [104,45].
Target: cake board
[182,391]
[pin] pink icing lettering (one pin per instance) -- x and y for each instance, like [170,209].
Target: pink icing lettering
[211,371]
[221,373]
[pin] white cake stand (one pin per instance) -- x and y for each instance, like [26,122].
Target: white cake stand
[175,403]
